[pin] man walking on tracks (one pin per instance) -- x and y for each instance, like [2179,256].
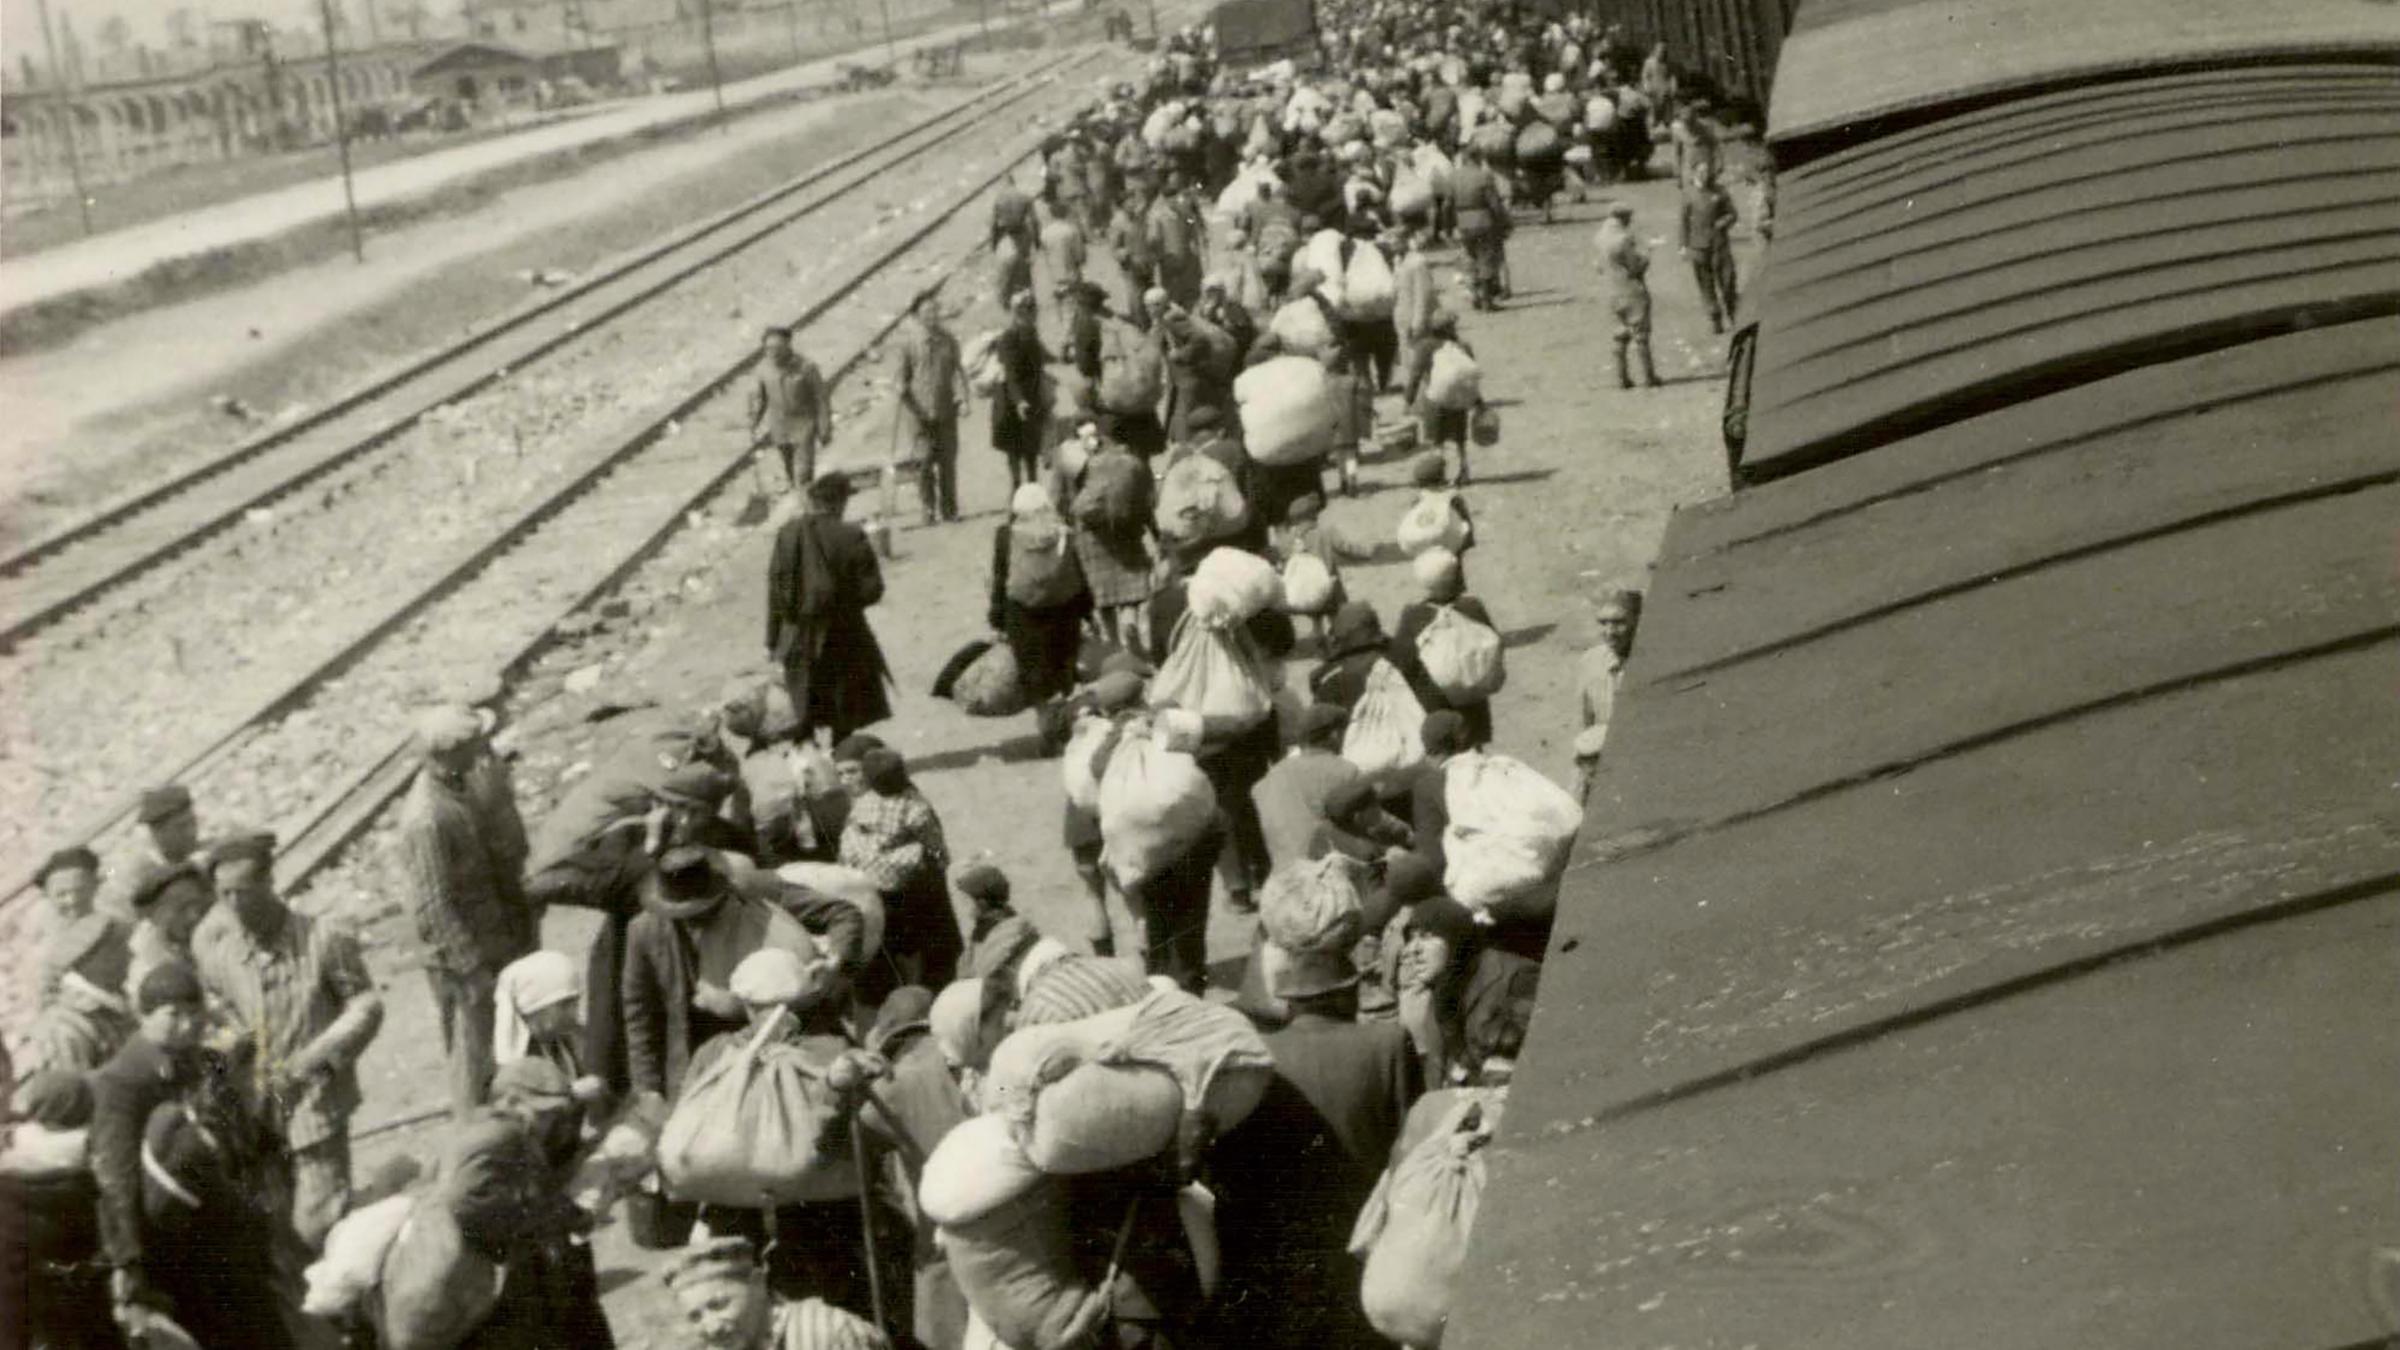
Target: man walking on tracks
[932,385]
[461,854]
[787,407]
[1624,264]
[823,578]
[1708,217]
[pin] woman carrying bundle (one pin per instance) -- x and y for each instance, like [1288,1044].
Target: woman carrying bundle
[1444,587]
[894,836]
[1039,600]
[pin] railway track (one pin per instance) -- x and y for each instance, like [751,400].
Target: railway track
[495,605]
[51,577]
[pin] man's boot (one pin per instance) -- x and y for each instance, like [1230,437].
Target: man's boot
[1649,371]
[1624,373]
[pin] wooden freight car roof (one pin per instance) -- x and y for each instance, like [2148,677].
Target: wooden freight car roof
[1983,258]
[1846,63]
[1987,929]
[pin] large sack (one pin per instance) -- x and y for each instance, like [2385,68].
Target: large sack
[981,360]
[1412,193]
[1133,372]
[1112,496]
[1368,287]
[354,1253]
[1213,1053]
[1325,254]
[1085,757]
[854,888]
[1430,522]
[1454,381]
[1386,735]
[1302,329]
[1465,659]
[1388,128]
[760,1126]
[1232,586]
[1198,500]
[1312,906]
[1510,833]
[435,1289]
[1100,1117]
[1244,189]
[1043,571]
[1288,411]
[1017,1268]
[1436,166]
[975,1169]
[1217,672]
[1414,1230]
[1154,806]
[1498,145]
[991,685]
[1309,586]
[1539,143]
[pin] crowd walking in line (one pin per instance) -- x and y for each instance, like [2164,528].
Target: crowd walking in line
[854,1120]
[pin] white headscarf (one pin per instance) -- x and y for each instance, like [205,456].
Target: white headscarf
[526,986]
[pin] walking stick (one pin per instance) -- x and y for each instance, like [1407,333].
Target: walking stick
[866,1216]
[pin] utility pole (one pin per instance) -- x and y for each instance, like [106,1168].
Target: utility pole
[891,50]
[708,36]
[71,117]
[341,128]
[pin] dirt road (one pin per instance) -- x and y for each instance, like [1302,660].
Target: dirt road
[1570,503]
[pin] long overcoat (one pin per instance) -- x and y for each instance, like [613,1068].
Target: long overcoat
[823,578]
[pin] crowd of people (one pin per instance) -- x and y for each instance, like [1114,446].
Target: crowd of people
[781,1027]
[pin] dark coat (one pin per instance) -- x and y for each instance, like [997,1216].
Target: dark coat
[1292,1178]
[823,578]
[662,1028]
[507,1190]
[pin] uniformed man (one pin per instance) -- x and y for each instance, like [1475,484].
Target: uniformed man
[787,406]
[1625,265]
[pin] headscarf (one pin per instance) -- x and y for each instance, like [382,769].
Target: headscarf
[886,772]
[527,985]
[1355,627]
[853,748]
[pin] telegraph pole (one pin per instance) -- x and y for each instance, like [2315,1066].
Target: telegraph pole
[341,128]
[71,117]
[891,50]
[708,36]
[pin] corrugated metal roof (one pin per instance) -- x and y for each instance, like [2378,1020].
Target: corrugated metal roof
[1981,259]
[1991,901]
[1846,62]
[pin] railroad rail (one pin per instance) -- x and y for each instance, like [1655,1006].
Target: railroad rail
[79,562]
[645,517]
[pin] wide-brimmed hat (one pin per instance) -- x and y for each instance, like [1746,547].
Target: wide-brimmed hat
[688,883]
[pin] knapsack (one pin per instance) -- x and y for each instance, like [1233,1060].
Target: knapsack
[1462,656]
[1110,499]
[1042,567]
[1199,500]
[1433,522]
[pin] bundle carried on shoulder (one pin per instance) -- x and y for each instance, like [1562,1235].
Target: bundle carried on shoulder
[1498,144]
[1112,496]
[980,358]
[1414,1230]
[1510,833]
[1233,586]
[1288,409]
[1217,672]
[1199,500]
[434,1289]
[1133,372]
[1538,144]
[1463,656]
[760,1125]
[1431,521]
[1453,382]
[1388,128]
[1309,585]
[1003,1224]
[1386,736]
[1302,329]
[1124,1085]
[1327,255]
[1089,746]
[1155,806]
[1043,569]
[832,881]
[355,1249]
[1368,287]
[1312,906]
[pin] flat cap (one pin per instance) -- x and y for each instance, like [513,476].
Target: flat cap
[173,982]
[164,803]
[76,858]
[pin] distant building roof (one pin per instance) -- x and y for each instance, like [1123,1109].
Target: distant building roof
[473,56]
